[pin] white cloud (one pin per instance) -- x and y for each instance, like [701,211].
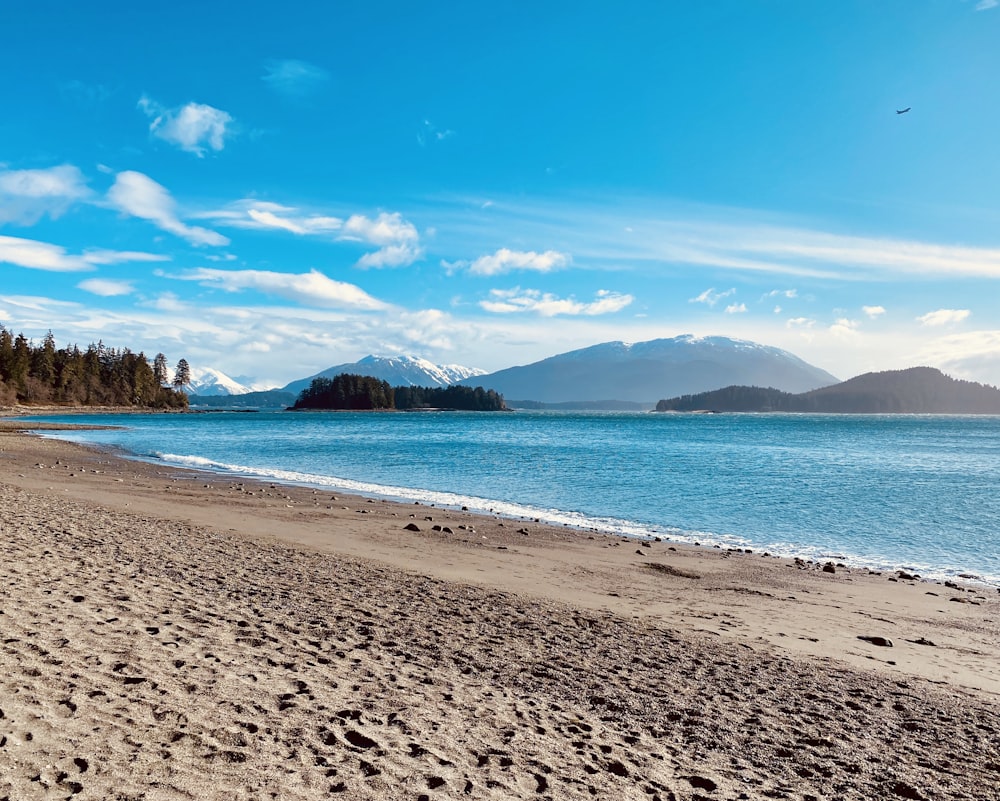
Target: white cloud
[40,255]
[710,297]
[193,127]
[140,196]
[986,5]
[944,317]
[973,355]
[736,308]
[782,293]
[312,288]
[264,215]
[800,322]
[27,195]
[505,260]
[106,287]
[397,237]
[873,312]
[294,78]
[54,258]
[386,229]
[507,301]
[844,328]
[391,256]
[304,225]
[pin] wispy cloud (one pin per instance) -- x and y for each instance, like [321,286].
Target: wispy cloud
[430,133]
[106,287]
[265,215]
[736,308]
[311,288]
[508,301]
[710,297]
[873,312]
[37,255]
[986,5]
[28,195]
[718,237]
[397,239]
[140,196]
[944,317]
[194,127]
[293,78]
[506,260]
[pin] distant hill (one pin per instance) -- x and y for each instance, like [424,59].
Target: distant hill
[641,373]
[397,371]
[918,390]
[269,399]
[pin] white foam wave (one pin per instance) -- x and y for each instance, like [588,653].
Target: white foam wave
[576,520]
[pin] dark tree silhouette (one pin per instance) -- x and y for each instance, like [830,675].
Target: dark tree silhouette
[99,375]
[182,375]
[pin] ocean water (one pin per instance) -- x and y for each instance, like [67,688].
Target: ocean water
[887,492]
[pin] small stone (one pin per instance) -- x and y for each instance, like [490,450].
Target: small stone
[882,642]
[411,527]
[829,568]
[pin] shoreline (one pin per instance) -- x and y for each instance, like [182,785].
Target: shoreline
[610,527]
[280,633]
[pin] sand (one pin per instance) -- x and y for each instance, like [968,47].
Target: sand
[167,634]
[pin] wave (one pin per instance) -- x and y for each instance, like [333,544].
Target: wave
[507,509]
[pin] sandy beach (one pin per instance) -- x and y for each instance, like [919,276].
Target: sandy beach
[168,634]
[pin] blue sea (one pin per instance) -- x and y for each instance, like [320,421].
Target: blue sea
[886,492]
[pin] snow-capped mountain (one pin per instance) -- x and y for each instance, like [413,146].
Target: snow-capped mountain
[209,381]
[645,372]
[398,371]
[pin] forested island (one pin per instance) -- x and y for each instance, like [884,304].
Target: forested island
[96,376]
[358,392]
[918,390]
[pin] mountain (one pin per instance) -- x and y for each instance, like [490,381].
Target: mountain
[918,390]
[208,381]
[645,371]
[398,371]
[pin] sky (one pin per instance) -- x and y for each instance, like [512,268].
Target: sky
[269,189]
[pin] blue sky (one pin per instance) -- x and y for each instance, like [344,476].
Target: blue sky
[271,189]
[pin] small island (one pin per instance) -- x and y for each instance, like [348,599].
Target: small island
[364,393]
[918,390]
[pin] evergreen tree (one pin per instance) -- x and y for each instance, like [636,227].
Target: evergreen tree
[160,371]
[182,375]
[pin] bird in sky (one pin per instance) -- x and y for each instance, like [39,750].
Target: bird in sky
[903,111]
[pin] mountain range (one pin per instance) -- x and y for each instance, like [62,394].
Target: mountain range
[608,375]
[917,390]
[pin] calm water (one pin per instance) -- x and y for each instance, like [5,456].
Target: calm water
[920,492]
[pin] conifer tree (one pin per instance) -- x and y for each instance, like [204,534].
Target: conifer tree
[182,375]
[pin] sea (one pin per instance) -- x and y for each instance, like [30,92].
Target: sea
[893,492]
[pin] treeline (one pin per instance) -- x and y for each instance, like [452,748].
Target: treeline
[346,391]
[918,390]
[95,376]
[358,392]
[469,399]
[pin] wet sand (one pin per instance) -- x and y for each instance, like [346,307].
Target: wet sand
[172,634]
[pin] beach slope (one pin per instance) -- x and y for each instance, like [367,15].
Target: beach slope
[172,635]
